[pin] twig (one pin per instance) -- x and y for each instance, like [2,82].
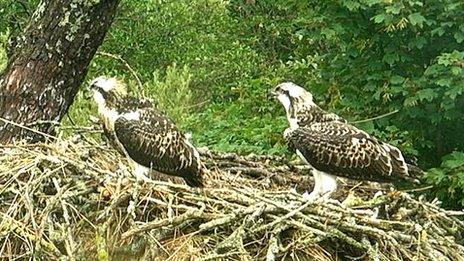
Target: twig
[418,189]
[40,122]
[376,118]
[283,218]
[70,244]
[27,128]
[189,215]
[126,64]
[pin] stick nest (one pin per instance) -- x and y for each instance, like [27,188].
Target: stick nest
[77,199]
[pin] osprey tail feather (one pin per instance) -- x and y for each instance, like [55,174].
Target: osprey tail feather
[415,173]
[194,180]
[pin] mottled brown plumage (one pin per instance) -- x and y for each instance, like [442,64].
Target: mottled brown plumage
[332,146]
[308,115]
[156,143]
[345,151]
[138,130]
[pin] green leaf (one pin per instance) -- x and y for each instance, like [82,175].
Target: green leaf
[452,164]
[459,36]
[352,5]
[426,94]
[328,32]
[379,18]
[448,104]
[416,19]
[410,101]
[454,92]
[367,126]
[396,79]
[457,155]
[373,2]
[455,70]
[394,9]
[390,58]
[418,42]
[435,175]
[438,31]
[444,82]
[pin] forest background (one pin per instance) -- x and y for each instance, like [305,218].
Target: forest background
[211,63]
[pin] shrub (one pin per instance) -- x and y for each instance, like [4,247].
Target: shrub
[448,180]
[173,93]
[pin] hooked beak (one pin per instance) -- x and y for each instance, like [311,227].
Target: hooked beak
[92,85]
[91,88]
[272,94]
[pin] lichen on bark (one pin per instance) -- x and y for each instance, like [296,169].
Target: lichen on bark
[49,63]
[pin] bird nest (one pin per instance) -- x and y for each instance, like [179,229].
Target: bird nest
[76,198]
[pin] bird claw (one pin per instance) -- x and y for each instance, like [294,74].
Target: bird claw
[312,197]
[319,198]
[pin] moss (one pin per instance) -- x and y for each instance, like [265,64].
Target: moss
[65,19]
[39,11]
[91,2]
[102,253]
[74,16]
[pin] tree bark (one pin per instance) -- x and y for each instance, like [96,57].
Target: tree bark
[49,63]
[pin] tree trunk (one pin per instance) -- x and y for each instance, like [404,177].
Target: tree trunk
[49,63]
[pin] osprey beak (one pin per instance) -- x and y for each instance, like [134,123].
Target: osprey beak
[92,85]
[272,94]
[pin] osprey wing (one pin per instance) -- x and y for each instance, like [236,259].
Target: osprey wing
[130,103]
[155,142]
[343,150]
[315,114]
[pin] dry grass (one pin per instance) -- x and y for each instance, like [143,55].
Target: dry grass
[77,199]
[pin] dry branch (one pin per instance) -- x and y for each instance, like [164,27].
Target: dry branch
[77,198]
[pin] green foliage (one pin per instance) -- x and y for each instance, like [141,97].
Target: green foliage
[226,127]
[3,54]
[15,15]
[364,58]
[448,180]
[174,94]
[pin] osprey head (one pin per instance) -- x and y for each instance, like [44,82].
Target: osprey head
[106,88]
[292,97]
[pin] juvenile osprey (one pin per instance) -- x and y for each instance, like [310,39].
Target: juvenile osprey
[137,129]
[333,147]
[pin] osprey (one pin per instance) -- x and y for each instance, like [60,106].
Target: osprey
[333,147]
[138,130]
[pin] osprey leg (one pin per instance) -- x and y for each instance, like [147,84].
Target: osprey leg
[140,173]
[328,184]
[324,185]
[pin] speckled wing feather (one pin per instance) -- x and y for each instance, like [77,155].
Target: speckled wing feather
[130,103]
[155,142]
[113,140]
[343,150]
[125,105]
[316,114]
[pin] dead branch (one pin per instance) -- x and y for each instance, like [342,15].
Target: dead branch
[63,199]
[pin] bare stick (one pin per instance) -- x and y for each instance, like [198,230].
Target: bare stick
[126,64]
[377,117]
